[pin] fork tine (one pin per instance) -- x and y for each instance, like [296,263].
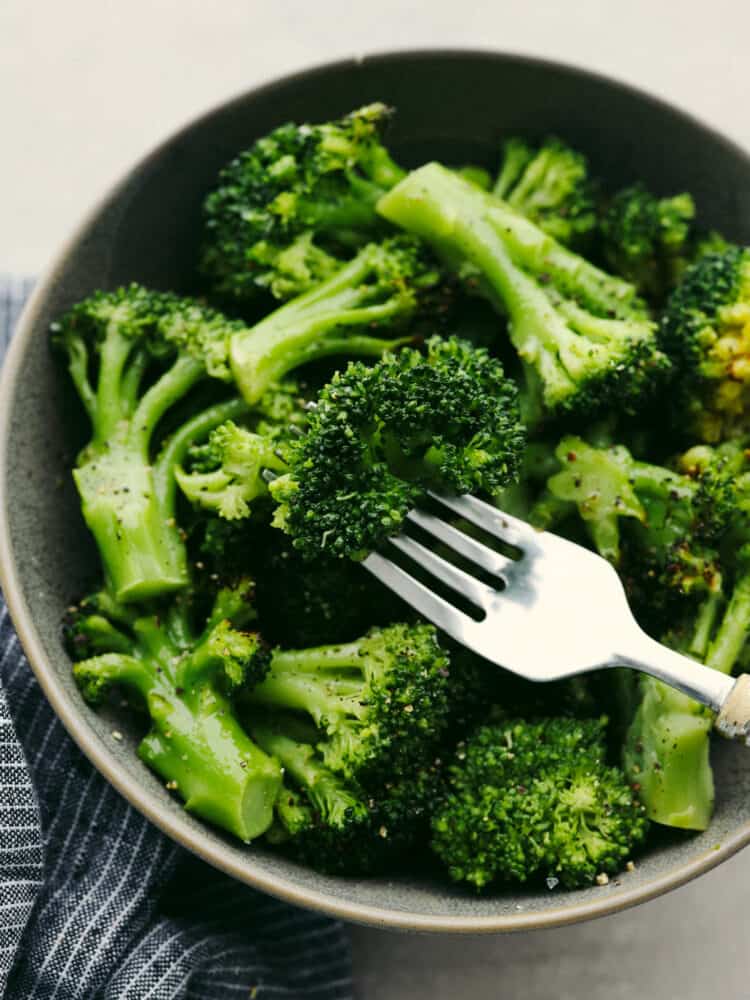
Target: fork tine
[503,526]
[434,608]
[463,545]
[446,572]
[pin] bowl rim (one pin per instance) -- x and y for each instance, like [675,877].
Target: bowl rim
[174,825]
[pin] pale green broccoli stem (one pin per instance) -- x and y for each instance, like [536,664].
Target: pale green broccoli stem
[138,539]
[195,743]
[310,327]
[733,631]
[462,221]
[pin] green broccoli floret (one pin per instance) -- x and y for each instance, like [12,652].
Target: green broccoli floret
[285,211]
[187,681]
[376,293]
[549,184]
[379,435]
[226,473]
[584,337]
[705,330]
[648,240]
[332,823]
[134,354]
[532,800]
[379,701]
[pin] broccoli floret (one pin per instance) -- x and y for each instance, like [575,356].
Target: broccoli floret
[533,800]
[226,473]
[648,240]
[286,210]
[133,354]
[379,702]
[706,332]
[377,293]
[549,184]
[379,435]
[187,681]
[332,823]
[583,335]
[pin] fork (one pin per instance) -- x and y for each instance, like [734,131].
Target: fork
[558,609]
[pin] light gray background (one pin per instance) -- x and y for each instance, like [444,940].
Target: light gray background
[87,86]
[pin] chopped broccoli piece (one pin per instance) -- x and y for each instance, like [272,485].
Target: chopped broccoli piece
[285,211]
[376,293]
[186,681]
[648,240]
[584,337]
[133,354]
[378,701]
[380,434]
[549,184]
[705,330]
[533,800]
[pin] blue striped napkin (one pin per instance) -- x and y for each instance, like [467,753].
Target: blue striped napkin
[96,904]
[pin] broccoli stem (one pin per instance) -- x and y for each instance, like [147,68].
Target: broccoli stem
[733,631]
[195,742]
[309,327]
[324,698]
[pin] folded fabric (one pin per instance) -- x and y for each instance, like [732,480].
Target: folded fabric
[96,903]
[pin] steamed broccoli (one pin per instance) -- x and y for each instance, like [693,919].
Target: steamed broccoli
[186,680]
[533,800]
[379,702]
[377,293]
[706,332]
[226,473]
[333,823]
[549,184]
[584,337]
[133,354]
[381,434]
[648,240]
[286,210]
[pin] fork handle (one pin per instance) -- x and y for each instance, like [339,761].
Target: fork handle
[727,696]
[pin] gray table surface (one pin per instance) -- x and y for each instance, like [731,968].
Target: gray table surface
[88,85]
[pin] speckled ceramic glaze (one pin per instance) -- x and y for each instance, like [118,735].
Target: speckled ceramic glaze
[453,105]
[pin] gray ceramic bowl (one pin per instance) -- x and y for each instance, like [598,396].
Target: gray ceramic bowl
[452,105]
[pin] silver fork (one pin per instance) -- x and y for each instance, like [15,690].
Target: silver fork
[558,609]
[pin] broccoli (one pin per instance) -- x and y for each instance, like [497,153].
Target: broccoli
[673,559]
[549,184]
[187,681]
[532,800]
[379,701]
[379,435]
[333,823]
[285,211]
[648,240]
[705,330]
[226,473]
[133,354]
[380,290]
[583,335]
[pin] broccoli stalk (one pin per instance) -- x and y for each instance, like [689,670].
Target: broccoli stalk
[377,701]
[126,340]
[287,210]
[380,434]
[533,800]
[582,334]
[549,185]
[186,681]
[380,289]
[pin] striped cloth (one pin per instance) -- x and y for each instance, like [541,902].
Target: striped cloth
[96,904]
